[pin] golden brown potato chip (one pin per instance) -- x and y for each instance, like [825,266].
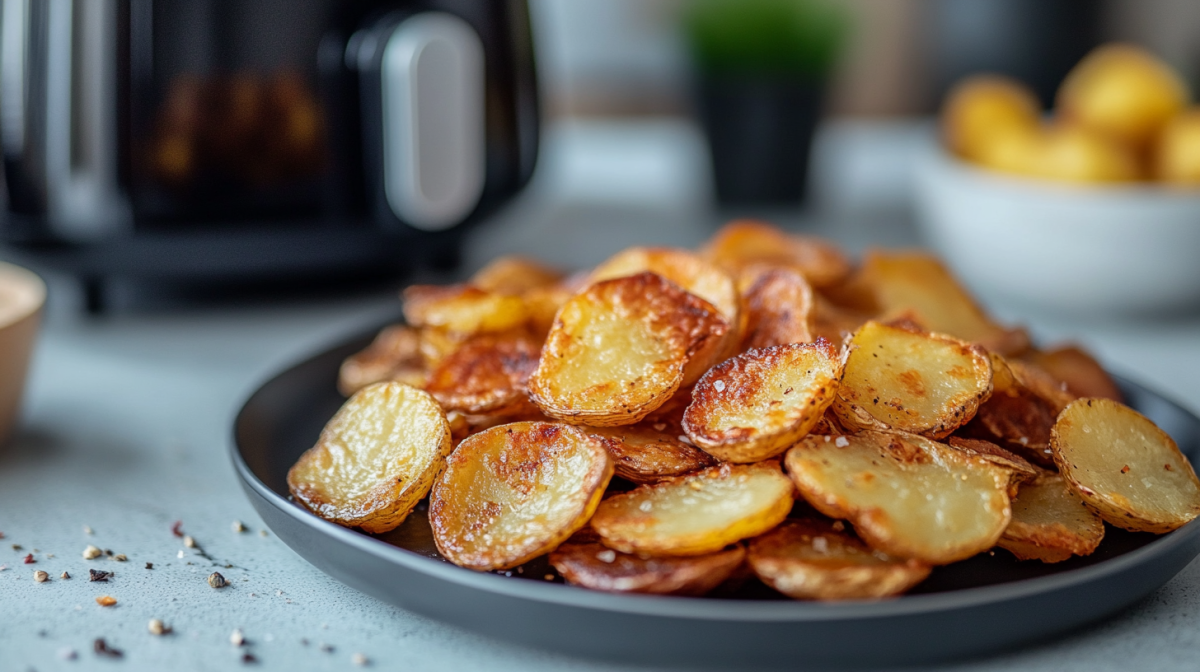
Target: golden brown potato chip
[833,322]
[375,458]
[779,307]
[487,375]
[906,495]
[697,514]
[619,349]
[810,559]
[1124,466]
[1023,471]
[393,355]
[599,568]
[1021,410]
[744,242]
[759,403]
[514,492]
[900,378]
[514,275]
[1079,371]
[645,455]
[1050,523]
[463,309]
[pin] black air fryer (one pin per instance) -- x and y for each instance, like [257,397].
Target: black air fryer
[238,139]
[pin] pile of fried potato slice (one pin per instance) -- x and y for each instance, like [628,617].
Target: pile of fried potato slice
[678,422]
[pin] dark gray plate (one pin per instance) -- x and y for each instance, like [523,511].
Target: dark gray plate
[983,604]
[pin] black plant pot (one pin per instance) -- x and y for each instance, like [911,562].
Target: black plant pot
[759,133]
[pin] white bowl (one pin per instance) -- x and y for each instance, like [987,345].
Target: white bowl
[1059,246]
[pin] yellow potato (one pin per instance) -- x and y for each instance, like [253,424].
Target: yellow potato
[697,514]
[514,275]
[1176,151]
[900,378]
[375,458]
[1050,523]
[759,403]
[1023,471]
[1079,371]
[394,355]
[906,495]
[594,566]
[514,492]
[744,242]
[1076,154]
[463,309]
[1123,92]
[619,349]
[811,559]
[980,109]
[1125,467]
[778,305]
[487,375]
[646,455]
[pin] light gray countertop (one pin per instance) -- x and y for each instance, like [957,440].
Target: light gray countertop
[127,428]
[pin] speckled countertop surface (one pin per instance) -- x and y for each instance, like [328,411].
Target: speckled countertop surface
[127,424]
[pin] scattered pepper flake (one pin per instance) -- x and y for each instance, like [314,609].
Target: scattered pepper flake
[1168,467]
[28,559]
[149,565]
[327,648]
[1,535]
[91,552]
[249,659]
[64,575]
[120,557]
[238,526]
[157,627]
[1125,469]
[177,528]
[106,600]
[40,576]
[215,580]
[237,637]
[18,547]
[97,575]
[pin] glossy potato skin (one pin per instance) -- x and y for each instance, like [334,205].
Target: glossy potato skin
[645,455]
[357,476]
[588,565]
[487,374]
[513,492]
[1051,523]
[463,309]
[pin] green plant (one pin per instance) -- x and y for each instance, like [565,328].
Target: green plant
[794,38]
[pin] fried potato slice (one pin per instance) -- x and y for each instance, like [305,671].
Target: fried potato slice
[810,559]
[759,403]
[517,491]
[906,495]
[1050,523]
[599,568]
[514,275]
[899,378]
[619,349]
[1023,471]
[778,303]
[394,355]
[487,375]
[833,322]
[1021,410]
[743,242]
[696,514]
[1082,374]
[1125,467]
[375,458]
[463,309]
[645,455]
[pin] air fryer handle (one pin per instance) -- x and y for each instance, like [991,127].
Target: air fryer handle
[431,91]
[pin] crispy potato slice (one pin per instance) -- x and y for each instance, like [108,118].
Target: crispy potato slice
[599,568]
[778,303]
[1124,466]
[394,355]
[517,491]
[645,455]
[1050,523]
[744,242]
[463,309]
[1082,374]
[759,403]
[810,559]
[836,323]
[1023,471]
[899,378]
[619,349]
[1041,384]
[487,375]
[906,495]
[1021,410]
[514,275]
[697,514]
[375,458]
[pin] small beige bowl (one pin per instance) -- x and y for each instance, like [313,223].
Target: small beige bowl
[22,295]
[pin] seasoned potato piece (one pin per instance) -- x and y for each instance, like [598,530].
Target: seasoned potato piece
[744,242]
[1079,371]
[599,568]
[697,514]
[514,275]
[1124,466]
[375,458]
[1023,471]
[1020,414]
[810,559]
[487,374]
[645,455]
[619,350]
[899,378]
[394,355]
[778,303]
[1041,384]
[1050,523]
[834,322]
[906,495]
[759,403]
[463,309]
[517,491]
